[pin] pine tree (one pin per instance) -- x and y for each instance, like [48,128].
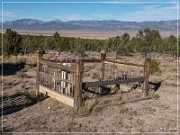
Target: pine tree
[12,42]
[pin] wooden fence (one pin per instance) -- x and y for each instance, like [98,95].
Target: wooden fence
[61,81]
[64,81]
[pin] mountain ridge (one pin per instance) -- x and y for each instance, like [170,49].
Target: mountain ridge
[35,24]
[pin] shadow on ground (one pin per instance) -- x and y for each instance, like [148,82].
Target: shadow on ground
[17,102]
[155,85]
[11,68]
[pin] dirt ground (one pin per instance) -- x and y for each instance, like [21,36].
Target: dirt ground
[90,34]
[154,116]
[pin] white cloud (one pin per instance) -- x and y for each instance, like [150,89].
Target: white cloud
[7,14]
[152,13]
[145,13]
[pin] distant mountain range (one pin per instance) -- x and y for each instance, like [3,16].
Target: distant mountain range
[33,24]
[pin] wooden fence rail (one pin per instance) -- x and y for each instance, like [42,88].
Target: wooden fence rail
[85,59]
[113,82]
[56,65]
[107,61]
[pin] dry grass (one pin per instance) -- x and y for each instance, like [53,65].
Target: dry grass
[158,114]
[31,58]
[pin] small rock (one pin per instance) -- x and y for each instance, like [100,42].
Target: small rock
[4,119]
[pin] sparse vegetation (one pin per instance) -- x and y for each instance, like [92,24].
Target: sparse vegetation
[154,95]
[146,41]
[155,66]
[31,95]
[92,106]
[94,115]
[21,74]
[87,108]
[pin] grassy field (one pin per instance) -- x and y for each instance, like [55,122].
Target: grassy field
[158,114]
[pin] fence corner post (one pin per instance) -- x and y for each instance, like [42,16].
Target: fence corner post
[38,56]
[146,76]
[78,84]
[103,57]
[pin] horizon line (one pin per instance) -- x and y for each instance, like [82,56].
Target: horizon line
[90,20]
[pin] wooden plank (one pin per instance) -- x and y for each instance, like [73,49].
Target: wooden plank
[78,84]
[64,61]
[91,60]
[37,72]
[87,60]
[146,76]
[57,65]
[112,82]
[62,98]
[107,61]
[103,57]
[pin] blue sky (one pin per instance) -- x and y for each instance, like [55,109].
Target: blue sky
[151,10]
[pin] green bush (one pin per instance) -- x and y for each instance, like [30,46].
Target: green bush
[146,41]
[155,66]
[31,96]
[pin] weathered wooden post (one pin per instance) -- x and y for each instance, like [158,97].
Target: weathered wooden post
[103,57]
[146,75]
[78,83]
[37,72]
